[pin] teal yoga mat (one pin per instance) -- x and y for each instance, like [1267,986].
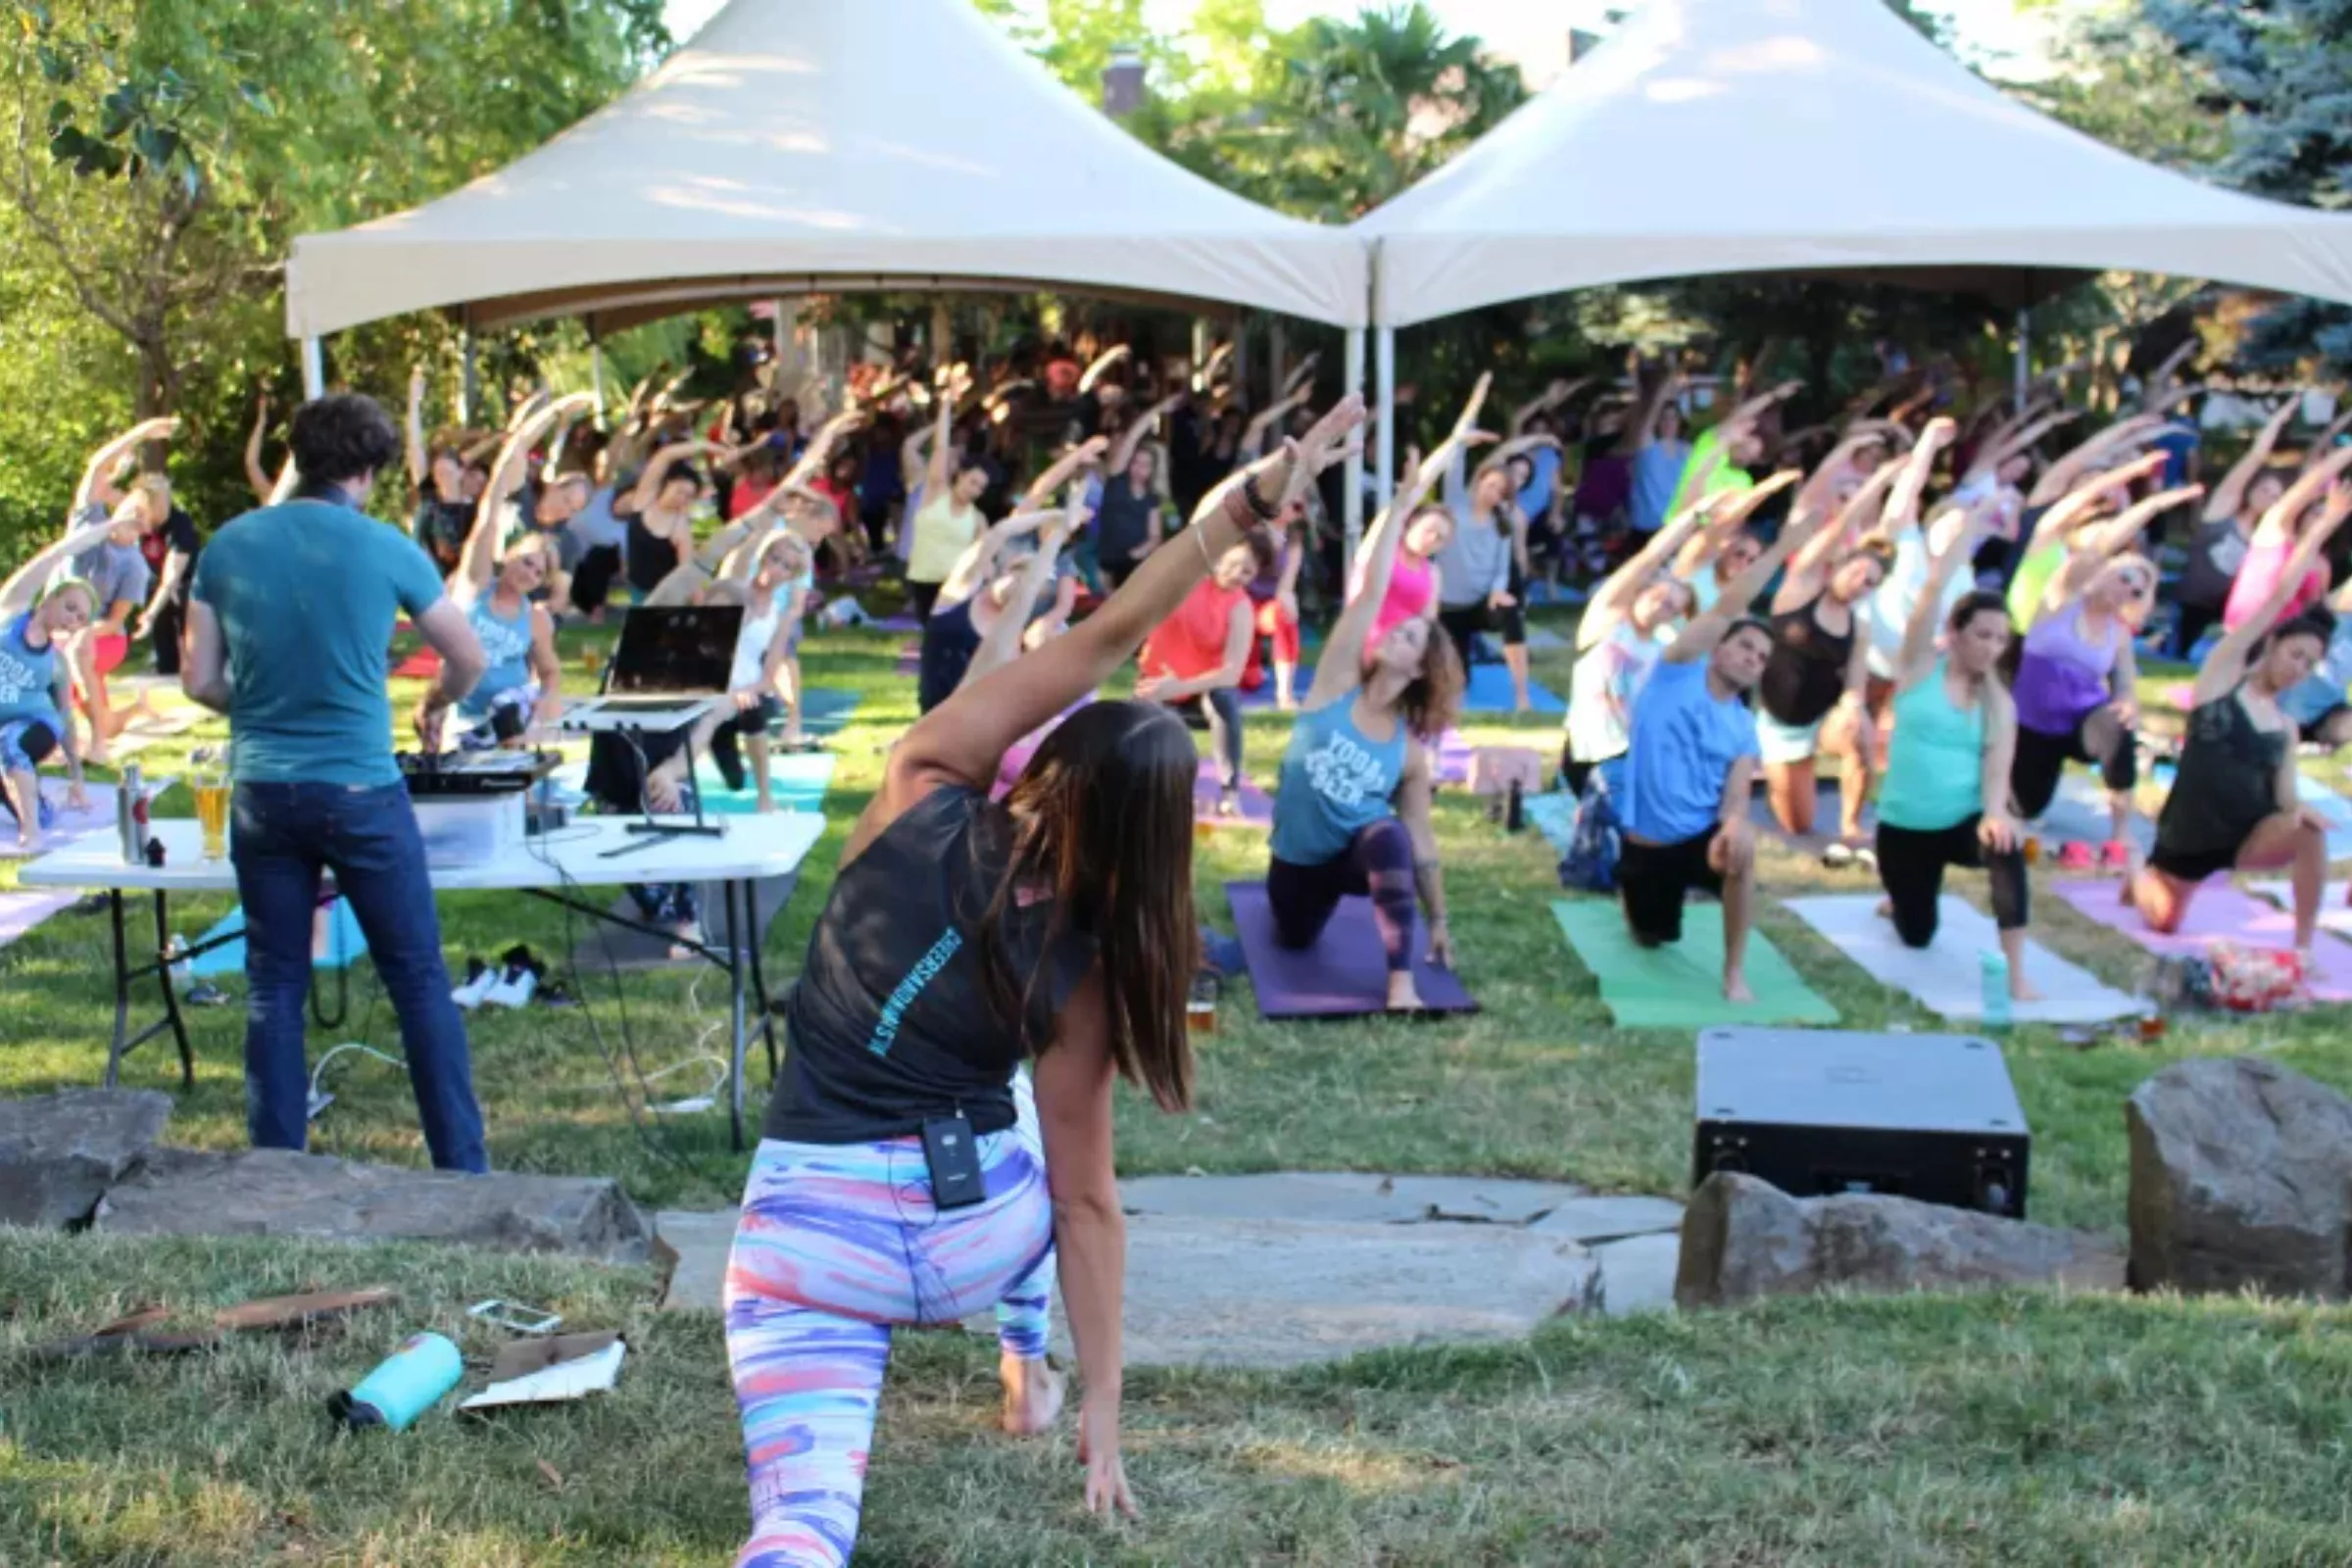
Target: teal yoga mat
[344,943]
[797,779]
[1679,986]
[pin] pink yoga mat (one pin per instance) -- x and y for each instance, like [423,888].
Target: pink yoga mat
[2219,911]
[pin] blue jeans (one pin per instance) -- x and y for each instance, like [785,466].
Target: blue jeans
[284,835]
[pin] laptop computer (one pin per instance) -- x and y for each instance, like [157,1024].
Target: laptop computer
[669,669]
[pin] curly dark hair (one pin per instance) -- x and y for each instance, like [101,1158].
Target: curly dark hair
[338,439]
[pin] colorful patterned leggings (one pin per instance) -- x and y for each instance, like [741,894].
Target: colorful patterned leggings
[836,1244]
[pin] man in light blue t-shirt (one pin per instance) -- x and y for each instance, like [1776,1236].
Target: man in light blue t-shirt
[290,633]
[1690,764]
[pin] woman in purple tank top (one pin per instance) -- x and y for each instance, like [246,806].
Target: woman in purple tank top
[2074,690]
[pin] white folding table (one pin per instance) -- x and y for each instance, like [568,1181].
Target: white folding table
[589,852]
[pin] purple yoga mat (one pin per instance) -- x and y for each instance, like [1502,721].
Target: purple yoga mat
[1257,807]
[910,660]
[20,912]
[901,621]
[2219,911]
[1454,758]
[1343,975]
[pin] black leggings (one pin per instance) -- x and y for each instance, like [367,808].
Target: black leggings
[726,741]
[920,597]
[1378,861]
[2193,621]
[1911,866]
[1221,710]
[592,579]
[2042,757]
[1468,620]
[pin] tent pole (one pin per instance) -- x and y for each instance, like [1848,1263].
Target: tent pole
[470,389]
[1352,514]
[1384,361]
[777,335]
[2024,353]
[314,369]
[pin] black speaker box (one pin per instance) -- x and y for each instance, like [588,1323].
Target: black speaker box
[1818,1112]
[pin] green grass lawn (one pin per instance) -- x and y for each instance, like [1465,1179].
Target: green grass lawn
[2001,1430]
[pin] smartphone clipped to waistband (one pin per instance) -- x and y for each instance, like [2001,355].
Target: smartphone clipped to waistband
[953,1152]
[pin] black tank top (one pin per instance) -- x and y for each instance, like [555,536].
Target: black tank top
[1807,674]
[890,1021]
[651,556]
[2228,783]
[949,640]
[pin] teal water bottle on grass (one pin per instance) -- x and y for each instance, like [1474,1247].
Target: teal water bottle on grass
[1996,990]
[404,1387]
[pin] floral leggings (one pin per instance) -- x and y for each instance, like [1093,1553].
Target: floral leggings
[837,1243]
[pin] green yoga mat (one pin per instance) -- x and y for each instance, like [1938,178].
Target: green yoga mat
[1681,986]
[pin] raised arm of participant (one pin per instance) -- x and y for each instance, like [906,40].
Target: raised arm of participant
[1918,656]
[257,476]
[2067,471]
[420,461]
[97,486]
[1102,364]
[2095,546]
[1642,430]
[1139,427]
[1705,631]
[1253,434]
[1911,484]
[819,453]
[568,413]
[24,585]
[2015,438]
[2231,494]
[2325,442]
[978,563]
[657,471]
[1302,374]
[939,473]
[1047,485]
[2226,666]
[2073,511]
[2290,506]
[1007,639]
[1613,600]
[2160,391]
[963,740]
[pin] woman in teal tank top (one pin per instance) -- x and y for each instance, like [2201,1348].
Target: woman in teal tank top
[1351,811]
[1946,798]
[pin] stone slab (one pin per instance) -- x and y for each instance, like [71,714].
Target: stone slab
[1637,1274]
[1345,1198]
[1278,1294]
[1597,1220]
[702,1239]
[60,1153]
[276,1192]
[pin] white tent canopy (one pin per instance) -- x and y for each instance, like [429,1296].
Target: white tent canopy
[818,145]
[1715,136]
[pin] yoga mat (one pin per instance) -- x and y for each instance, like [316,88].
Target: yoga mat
[344,943]
[2218,912]
[2333,914]
[1681,986]
[1454,758]
[1543,639]
[1826,803]
[1344,976]
[1257,807]
[826,708]
[2077,815]
[901,621]
[20,912]
[1946,976]
[797,781]
[1554,815]
[1490,692]
[2180,694]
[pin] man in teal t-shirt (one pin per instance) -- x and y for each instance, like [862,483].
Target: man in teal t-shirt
[290,633]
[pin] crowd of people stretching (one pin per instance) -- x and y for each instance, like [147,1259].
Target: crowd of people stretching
[1943,602]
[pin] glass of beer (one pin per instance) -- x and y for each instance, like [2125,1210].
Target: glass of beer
[207,779]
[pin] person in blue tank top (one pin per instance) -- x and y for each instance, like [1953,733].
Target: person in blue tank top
[35,684]
[1351,809]
[1944,800]
[1691,763]
[494,584]
[962,938]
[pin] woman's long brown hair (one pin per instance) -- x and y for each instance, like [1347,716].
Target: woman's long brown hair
[1103,816]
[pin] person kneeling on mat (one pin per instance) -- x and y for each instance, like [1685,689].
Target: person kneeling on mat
[1691,766]
[1353,757]
[1944,800]
[36,689]
[2236,804]
[903,1175]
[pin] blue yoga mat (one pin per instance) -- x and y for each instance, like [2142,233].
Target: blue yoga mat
[797,779]
[1490,692]
[826,708]
[344,943]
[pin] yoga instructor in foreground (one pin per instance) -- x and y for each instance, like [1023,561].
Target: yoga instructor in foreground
[905,1174]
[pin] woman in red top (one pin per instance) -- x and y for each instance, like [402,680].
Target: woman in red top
[1196,656]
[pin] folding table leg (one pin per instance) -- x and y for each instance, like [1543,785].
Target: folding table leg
[163,974]
[735,991]
[121,1040]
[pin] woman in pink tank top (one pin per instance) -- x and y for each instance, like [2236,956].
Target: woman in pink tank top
[1413,586]
[2273,542]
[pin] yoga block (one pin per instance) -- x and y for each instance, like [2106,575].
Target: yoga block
[1493,770]
[1820,1113]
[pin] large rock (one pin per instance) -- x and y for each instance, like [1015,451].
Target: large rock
[60,1153]
[1744,1239]
[275,1191]
[2241,1174]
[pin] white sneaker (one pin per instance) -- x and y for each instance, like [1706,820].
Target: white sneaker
[514,989]
[469,995]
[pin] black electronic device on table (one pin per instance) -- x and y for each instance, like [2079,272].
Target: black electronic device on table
[501,771]
[672,667]
[1818,1112]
